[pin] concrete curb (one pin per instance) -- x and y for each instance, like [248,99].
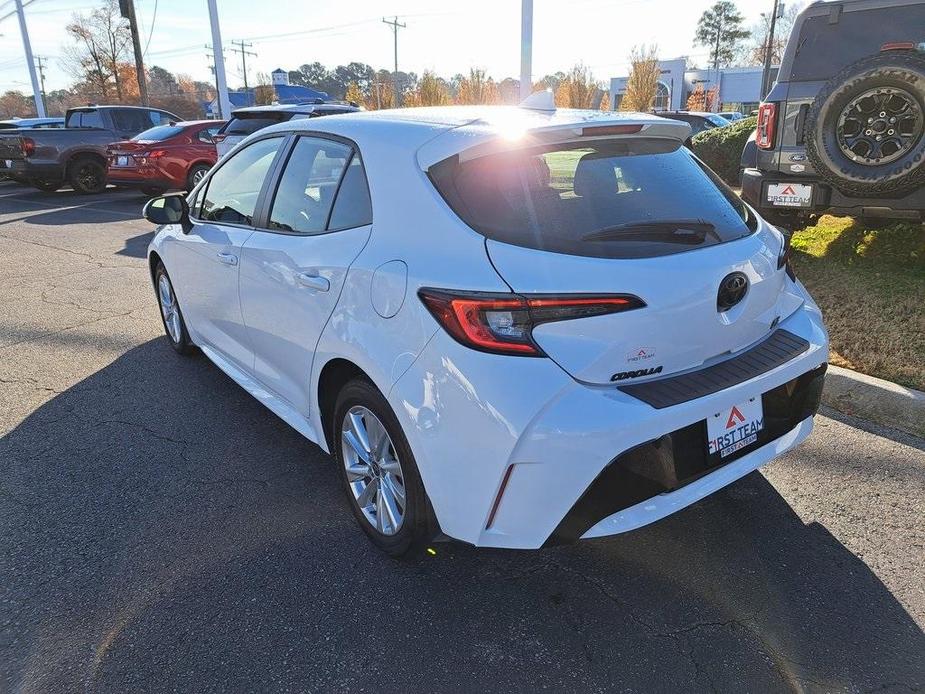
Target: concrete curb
[874,399]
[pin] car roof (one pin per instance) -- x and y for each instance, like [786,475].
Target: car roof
[438,132]
[297,108]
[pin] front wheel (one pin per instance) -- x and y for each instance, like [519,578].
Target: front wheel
[171,316]
[378,470]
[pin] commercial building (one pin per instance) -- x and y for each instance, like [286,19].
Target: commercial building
[739,87]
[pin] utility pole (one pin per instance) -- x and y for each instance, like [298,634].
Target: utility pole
[769,50]
[40,63]
[526,48]
[127,10]
[242,49]
[27,46]
[219,58]
[396,25]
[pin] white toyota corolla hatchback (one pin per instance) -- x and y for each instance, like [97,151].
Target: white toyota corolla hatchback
[510,326]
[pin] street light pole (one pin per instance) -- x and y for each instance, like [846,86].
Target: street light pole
[768,53]
[30,61]
[224,104]
[526,48]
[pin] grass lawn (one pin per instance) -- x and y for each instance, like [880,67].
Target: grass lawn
[870,285]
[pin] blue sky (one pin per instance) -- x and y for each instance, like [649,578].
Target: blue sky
[447,37]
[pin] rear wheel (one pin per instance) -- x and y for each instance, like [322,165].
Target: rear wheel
[378,470]
[195,175]
[171,316]
[87,175]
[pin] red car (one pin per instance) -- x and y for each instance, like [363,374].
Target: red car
[165,157]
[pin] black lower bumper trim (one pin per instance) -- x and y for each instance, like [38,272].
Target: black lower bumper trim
[680,457]
[779,348]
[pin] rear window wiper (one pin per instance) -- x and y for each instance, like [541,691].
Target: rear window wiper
[692,231]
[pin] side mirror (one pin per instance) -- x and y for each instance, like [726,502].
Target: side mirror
[168,209]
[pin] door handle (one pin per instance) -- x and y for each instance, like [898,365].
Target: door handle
[315,282]
[227,258]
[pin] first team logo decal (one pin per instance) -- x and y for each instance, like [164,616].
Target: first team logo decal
[733,429]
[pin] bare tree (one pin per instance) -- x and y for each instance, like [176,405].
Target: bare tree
[642,84]
[753,53]
[102,41]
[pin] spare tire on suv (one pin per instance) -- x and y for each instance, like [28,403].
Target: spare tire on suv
[865,132]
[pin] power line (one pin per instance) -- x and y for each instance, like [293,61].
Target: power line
[151,30]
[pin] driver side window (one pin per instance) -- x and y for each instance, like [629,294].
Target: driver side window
[231,196]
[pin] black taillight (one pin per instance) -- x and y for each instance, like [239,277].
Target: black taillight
[785,257]
[503,323]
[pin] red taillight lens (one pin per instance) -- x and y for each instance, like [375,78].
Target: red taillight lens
[28,146]
[156,154]
[767,123]
[503,323]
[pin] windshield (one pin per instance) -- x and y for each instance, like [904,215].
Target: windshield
[245,124]
[717,119]
[606,198]
[158,133]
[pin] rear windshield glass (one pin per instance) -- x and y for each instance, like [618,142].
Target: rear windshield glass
[158,133]
[245,125]
[825,47]
[607,198]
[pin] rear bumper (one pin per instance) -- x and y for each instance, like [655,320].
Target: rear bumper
[141,178]
[829,199]
[521,444]
[27,170]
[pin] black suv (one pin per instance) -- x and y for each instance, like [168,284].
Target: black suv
[843,129]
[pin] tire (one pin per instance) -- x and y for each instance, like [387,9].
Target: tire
[87,175]
[195,175]
[152,192]
[174,324]
[46,186]
[869,167]
[359,399]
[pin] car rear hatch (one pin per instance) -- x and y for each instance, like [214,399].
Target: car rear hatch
[600,211]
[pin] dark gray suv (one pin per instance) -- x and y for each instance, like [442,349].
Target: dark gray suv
[843,129]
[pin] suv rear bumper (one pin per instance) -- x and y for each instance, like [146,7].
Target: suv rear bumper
[827,199]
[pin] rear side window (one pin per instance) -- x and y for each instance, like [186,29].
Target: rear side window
[824,48]
[606,198]
[232,192]
[245,125]
[352,208]
[132,120]
[85,119]
[308,185]
[206,134]
[158,133]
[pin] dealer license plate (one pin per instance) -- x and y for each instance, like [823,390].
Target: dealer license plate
[121,161]
[735,427]
[790,194]
[8,163]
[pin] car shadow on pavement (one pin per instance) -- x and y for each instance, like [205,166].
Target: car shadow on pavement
[67,207]
[161,530]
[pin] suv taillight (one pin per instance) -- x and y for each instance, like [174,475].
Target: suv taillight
[767,122]
[503,323]
[28,146]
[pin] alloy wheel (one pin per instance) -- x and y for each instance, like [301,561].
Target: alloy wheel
[169,308]
[198,175]
[880,126]
[374,473]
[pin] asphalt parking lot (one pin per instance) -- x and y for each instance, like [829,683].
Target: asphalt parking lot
[160,530]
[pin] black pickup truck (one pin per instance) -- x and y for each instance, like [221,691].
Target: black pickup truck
[76,153]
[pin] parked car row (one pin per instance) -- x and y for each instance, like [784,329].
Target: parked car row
[132,146]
